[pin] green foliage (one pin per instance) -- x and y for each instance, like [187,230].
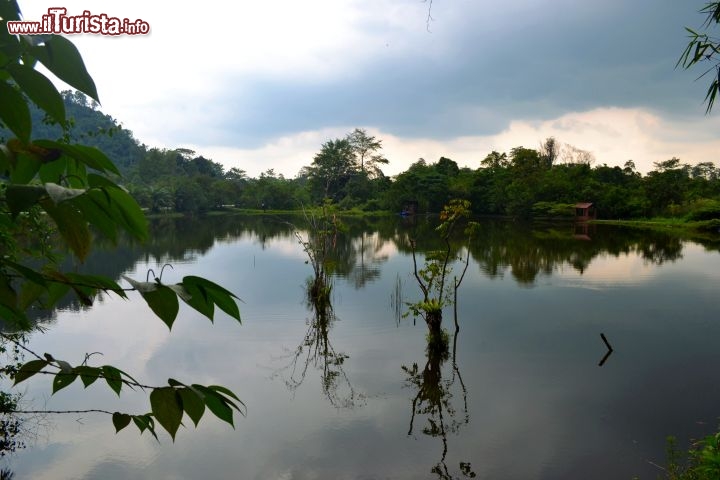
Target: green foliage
[433,277]
[366,149]
[703,49]
[438,342]
[323,227]
[702,461]
[553,209]
[521,183]
[168,404]
[347,170]
[429,185]
[704,209]
[74,185]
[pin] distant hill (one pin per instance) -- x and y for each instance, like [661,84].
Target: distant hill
[89,126]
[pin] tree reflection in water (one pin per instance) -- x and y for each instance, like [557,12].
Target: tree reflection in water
[435,400]
[317,351]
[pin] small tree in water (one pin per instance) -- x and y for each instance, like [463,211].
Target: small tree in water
[434,275]
[323,228]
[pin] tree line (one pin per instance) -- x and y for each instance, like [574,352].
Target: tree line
[522,183]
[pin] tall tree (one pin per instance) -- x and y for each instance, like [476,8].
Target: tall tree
[495,160]
[366,148]
[549,151]
[332,168]
[574,155]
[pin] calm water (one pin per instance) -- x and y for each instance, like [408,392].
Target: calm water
[358,398]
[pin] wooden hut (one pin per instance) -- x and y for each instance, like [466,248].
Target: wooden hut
[584,212]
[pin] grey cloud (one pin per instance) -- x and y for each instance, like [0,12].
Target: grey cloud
[532,63]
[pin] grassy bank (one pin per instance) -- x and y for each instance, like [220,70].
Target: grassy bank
[259,212]
[667,224]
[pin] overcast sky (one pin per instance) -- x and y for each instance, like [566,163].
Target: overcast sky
[262,84]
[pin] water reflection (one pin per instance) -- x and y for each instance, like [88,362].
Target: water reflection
[316,351]
[526,252]
[541,388]
[437,403]
[531,252]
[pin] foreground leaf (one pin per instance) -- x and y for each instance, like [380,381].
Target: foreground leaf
[29,369]
[210,294]
[20,198]
[40,90]
[88,375]
[71,225]
[167,408]
[192,403]
[112,377]
[62,380]
[120,421]
[216,403]
[61,57]
[145,422]
[164,303]
[14,112]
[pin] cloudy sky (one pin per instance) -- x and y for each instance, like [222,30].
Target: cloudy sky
[259,85]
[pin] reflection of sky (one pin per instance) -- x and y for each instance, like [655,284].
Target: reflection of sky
[630,269]
[608,270]
[528,358]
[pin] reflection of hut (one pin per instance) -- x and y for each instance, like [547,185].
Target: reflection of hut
[582,231]
[584,212]
[410,207]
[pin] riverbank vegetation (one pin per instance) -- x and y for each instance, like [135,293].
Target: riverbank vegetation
[543,182]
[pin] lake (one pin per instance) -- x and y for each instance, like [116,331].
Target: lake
[521,396]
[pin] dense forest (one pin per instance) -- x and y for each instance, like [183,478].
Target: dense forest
[525,182]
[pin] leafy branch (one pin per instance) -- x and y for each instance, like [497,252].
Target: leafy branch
[168,403]
[73,187]
[432,277]
[703,48]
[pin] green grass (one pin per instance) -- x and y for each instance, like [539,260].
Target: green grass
[700,462]
[255,211]
[666,223]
